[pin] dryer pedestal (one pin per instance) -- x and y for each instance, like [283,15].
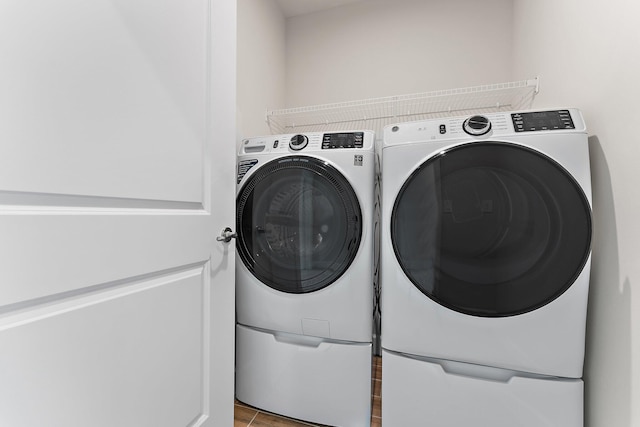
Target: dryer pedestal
[452,394]
[302,377]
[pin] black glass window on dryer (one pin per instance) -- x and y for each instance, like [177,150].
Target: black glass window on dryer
[299,224]
[491,229]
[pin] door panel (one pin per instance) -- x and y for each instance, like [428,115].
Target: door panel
[58,253]
[116,304]
[120,89]
[141,341]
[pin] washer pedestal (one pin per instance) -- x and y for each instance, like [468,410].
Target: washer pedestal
[418,391]
[303,377]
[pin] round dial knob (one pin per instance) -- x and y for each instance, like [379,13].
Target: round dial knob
[476,125]
[298,142]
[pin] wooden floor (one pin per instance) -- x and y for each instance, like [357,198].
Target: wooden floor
[246,416]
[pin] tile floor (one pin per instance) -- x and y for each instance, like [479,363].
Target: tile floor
[246,416]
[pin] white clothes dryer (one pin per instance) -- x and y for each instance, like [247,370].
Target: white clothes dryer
[304,275]
[486,246]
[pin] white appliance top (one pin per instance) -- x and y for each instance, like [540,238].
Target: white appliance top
[485,126]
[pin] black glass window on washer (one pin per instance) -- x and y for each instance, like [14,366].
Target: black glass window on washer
[491,229]
[299,224]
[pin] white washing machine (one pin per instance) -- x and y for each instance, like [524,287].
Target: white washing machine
[486,248]
[304,275]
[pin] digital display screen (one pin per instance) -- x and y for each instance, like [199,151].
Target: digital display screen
[342,140]
[542,120]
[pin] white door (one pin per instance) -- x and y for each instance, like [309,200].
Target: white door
[117,141]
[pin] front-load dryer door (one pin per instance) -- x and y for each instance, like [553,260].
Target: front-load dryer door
[491,229]
[299,224]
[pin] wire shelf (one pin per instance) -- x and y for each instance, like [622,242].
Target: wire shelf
[376,113]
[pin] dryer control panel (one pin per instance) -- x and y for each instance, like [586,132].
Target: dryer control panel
[542,120]
[486,126]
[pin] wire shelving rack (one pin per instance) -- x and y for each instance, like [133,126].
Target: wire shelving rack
[376,113]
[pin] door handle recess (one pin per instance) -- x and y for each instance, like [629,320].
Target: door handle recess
[226,235]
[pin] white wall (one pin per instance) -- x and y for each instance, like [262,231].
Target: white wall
[587,53]
[261,64]
[389,47]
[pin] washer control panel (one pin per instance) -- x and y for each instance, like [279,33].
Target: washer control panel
[309,142]
[542,120]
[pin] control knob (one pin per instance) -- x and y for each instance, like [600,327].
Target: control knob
[298,142]
[477,125]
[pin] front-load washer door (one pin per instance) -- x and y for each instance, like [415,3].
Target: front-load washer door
[491,229]
[299,224]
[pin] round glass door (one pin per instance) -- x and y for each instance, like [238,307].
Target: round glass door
[491,229]
[299,224]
